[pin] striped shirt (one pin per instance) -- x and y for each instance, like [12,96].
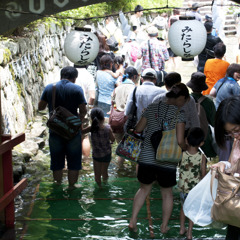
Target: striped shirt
[158,114]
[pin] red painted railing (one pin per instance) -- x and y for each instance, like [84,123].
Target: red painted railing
[7,189]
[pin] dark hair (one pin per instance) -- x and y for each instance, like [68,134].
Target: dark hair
[69,73]
[103,47]
[138,8]
[106,61]
[129,72]
[195,137]
[176,11]
[219,50]
[178,90]
[172,78]
[97,116]
[227,112]
[208,25]
[232,68]
[118,60]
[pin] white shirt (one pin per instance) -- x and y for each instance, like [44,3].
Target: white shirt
[86,81]
[144,96]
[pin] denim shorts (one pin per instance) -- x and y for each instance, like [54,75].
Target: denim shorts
[61,149]
[105,107]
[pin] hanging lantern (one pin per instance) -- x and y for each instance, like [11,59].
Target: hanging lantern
[81,46]
[187,37]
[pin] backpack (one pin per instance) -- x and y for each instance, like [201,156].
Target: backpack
[202,116]
[134,52]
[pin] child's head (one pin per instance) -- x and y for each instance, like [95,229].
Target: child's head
[97,116]
[118,61]
[195,137]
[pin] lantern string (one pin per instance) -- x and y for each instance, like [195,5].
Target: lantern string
[114,14]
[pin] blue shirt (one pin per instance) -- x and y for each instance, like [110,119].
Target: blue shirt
[106,84]
[229,88]
[68,95]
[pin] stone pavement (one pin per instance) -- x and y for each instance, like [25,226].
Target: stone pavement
[186,68]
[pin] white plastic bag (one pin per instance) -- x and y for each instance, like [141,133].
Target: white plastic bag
[198,204]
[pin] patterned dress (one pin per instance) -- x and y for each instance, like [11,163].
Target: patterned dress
[190,171]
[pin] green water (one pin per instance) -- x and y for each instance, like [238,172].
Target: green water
[55,213]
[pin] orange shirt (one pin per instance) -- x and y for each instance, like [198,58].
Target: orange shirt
[214,70]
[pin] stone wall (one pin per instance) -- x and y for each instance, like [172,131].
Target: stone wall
[27,64]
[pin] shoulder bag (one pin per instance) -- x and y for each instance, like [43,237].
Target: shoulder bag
[132,116]
[117,119]
[226,207]
[168,149]
[62,121]
[130,146]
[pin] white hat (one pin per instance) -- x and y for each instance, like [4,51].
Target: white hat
[149,73]
[152,31]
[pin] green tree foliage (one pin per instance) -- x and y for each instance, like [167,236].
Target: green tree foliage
[113,7]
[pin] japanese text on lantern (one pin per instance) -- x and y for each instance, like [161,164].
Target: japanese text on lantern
[85,46]
[187,38]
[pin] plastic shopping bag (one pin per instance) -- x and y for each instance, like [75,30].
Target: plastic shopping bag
[198,204]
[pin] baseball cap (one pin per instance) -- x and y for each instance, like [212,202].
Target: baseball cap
[152,31]
[149,73]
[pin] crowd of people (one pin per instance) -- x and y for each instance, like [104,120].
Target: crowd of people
[130,75]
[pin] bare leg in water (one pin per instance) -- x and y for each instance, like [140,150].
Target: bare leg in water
[138,202]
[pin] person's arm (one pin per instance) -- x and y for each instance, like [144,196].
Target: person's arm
[91,95]
[111,136]
[82,111]
[86,130]
[114,75]
[42,105]
[165,53]
[180,131]
[142,123]
[213,92]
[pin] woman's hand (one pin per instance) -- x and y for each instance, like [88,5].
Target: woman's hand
[220,165]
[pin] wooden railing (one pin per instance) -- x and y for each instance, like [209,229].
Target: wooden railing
[7,189]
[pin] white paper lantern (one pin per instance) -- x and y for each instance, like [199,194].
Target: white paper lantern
[187,37]
[81,46]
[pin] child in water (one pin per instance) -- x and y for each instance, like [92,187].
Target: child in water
[101,138]
[192,170]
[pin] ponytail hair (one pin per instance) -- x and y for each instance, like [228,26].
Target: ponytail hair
[129,72]
[97,116]
[178,90]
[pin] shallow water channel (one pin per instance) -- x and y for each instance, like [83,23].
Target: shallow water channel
[45,211]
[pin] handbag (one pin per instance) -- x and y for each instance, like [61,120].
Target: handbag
[168,149]
[160,74]
[62,121]
[226,206]
[130,146]
[117,119]
[132,116]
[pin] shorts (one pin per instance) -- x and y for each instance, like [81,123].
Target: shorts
[106,158]
[61,149]
[147,174]
[183,197]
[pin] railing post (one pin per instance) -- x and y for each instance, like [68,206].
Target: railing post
[8,183]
